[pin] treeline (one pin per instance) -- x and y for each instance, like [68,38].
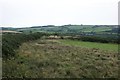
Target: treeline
[97,39]
[11,42]
[101,39]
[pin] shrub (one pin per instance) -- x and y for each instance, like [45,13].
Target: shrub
[10,42]
[96,39]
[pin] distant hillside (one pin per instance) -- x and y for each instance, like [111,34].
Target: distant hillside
[71,28]
[9,31]
[68,29]
[8,28]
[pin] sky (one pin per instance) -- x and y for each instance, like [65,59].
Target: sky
[27,13]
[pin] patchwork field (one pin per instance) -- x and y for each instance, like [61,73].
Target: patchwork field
[63,59]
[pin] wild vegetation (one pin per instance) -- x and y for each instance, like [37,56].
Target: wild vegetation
[51,59]
[0,56]
[11,42]
[96,39]
[69,51]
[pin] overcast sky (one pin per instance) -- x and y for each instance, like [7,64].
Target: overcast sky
[26,13]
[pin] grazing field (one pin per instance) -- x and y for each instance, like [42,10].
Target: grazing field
[102,46]
[56,59]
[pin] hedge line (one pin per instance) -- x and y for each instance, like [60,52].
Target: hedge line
[10,42]
[97,39]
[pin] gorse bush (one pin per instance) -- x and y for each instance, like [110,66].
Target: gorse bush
[10,42]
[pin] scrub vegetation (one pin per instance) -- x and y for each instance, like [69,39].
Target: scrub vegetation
[69,51]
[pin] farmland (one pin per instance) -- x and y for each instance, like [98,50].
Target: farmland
[102,46]
[50,58]
[68,51]
[107,29]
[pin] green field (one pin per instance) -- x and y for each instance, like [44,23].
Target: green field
[57,53]
[97,29]
[49,58]
[102,46]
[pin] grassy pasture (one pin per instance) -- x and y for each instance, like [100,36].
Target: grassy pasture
[97,29]
[51,59]
[102,46]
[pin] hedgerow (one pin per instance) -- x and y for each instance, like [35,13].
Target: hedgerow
[97,39]
[11,42]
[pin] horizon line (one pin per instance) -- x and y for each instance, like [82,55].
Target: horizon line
[54,25]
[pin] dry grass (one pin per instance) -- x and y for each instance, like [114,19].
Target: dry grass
[50,59]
